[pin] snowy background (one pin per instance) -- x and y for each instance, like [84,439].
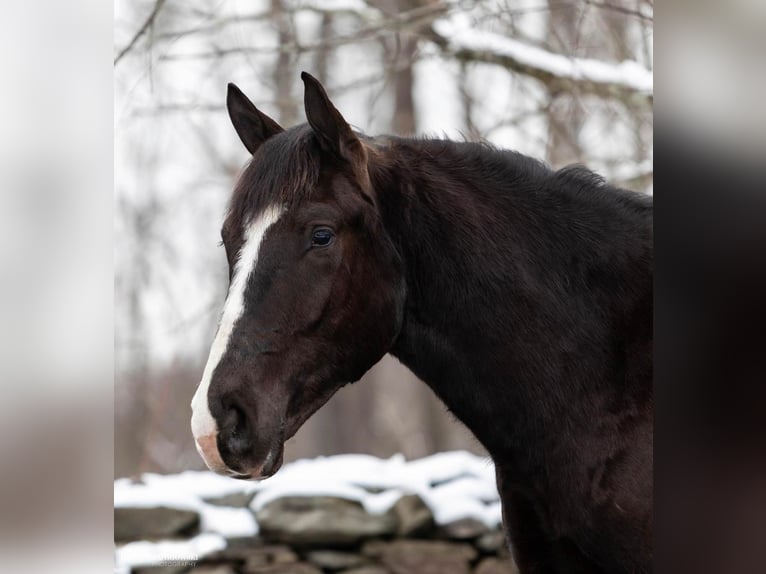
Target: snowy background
[563,81]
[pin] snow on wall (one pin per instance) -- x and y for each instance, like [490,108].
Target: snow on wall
[454,485]
[143,553]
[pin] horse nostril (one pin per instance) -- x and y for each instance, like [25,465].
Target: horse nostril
[238,440]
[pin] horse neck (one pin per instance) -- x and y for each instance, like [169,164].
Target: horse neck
[495,313]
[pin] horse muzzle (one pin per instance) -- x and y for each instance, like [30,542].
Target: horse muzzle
[237,448]
[208,449]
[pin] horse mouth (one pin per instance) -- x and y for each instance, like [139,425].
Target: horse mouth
[275,458]
[271,464]
[245,467]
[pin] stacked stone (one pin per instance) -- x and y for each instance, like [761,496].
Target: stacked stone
[322,534]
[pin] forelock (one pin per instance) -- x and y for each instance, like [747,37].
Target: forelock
[283,171]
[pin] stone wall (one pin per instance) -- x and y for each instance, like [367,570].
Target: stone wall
[170,525]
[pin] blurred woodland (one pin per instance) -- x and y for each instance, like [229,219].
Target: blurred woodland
[565,81]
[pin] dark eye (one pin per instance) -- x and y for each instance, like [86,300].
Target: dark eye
[322,237]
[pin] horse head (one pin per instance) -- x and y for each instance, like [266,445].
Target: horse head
[316,289]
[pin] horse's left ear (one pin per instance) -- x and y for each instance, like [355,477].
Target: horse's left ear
[333,132]
[252,126]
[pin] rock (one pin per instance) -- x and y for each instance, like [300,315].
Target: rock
[250,558]
[297,568]
[321,521]
[169,569]
[335,560]
[213,569]
[374,548]
[414,517]
[496,566]
[235,499]
[378,548]
[422,556]
[239,551]
[370,489]
[371,569]
[152,523]
[464,529]
[491,542]
[242,542]
[269,555]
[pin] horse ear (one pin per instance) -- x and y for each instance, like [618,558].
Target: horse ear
[253,126]
[333,132]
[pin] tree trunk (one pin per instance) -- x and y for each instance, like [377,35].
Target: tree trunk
[565,115]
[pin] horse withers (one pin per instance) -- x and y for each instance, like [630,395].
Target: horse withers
[521,295]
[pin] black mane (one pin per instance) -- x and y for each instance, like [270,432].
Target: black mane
[502,210]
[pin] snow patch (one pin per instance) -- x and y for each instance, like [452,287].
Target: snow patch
[127,495]
[136,554]
[180,491]
[458,30]
[227,521]
[202,484]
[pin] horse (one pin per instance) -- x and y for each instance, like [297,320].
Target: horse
[520,294]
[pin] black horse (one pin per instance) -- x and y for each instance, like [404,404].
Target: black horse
[521,295]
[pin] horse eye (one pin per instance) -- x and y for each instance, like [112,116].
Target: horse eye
[322,237]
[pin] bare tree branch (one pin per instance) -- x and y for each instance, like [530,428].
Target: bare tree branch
[216,24]
[627,80]
[141,31]
[411,20]
[621,9]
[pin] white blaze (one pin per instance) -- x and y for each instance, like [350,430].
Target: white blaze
[203,424]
